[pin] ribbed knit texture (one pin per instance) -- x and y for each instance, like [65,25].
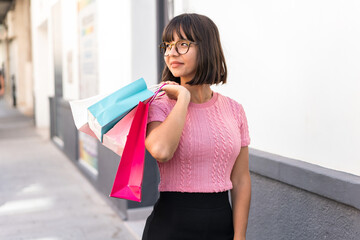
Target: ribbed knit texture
[211,140]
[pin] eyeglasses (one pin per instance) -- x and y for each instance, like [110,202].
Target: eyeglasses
[181,47]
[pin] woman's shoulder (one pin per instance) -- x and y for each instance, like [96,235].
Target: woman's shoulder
[229,101]
[163,101]
[163,98]
[235,108]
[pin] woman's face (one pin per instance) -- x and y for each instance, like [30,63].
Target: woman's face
[183,66]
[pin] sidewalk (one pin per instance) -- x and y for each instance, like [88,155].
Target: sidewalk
[43,196]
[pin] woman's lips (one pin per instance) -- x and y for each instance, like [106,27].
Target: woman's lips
[175,64]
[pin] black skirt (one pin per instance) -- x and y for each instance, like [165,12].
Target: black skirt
[190,216]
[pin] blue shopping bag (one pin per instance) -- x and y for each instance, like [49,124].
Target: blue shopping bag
[104,114]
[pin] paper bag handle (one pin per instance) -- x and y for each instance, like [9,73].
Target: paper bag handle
[156,93]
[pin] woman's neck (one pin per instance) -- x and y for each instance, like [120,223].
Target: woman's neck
[199,93]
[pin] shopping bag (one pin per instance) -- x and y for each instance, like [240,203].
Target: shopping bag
[128,179]
[104,114]
[129,175]
[115,138]
[79,113]
[86,129]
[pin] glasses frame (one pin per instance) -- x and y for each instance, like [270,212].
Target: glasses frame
[162,47]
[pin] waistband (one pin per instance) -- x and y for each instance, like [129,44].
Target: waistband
[195,200]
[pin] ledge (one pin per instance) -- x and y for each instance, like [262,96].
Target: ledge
[339,186]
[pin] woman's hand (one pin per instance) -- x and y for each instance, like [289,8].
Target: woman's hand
[175,91]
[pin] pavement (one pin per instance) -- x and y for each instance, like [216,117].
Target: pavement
[43,196]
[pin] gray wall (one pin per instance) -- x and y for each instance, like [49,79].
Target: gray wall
[69,131]
[292,199]
[283,212]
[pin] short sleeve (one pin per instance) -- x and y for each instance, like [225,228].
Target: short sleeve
[158,110]
[244,129]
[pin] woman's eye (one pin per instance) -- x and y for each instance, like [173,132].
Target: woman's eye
[184,44]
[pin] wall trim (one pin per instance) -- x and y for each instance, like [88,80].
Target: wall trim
[339,186]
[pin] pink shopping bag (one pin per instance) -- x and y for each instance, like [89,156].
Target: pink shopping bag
[128,179]
[129,175]
[86,129]
[115,138]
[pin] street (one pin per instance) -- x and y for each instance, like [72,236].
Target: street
[43,195]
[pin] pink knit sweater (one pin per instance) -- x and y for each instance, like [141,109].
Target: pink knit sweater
[211,140]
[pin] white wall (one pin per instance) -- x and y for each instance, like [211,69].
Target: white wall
[114,44]
[144,41]
[126,43]
[294,65]
[42,53]
[70,49]
[2,45]
[126,40]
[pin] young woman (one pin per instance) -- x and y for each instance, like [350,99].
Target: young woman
[199,139]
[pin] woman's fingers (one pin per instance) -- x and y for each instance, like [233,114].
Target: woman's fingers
[171,83]
[174,90]
[171,90]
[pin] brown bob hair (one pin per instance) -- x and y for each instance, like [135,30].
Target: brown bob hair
[211,66]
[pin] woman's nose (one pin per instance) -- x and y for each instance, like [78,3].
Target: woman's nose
[173,52]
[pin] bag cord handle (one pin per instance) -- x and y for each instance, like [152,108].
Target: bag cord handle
[156,93]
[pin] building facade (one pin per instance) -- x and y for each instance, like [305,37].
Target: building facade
[16,55]
[292,65]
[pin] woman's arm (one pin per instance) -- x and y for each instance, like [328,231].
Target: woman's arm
[241,193]
[162,138]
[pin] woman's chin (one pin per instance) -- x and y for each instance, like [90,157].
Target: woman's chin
[176,75]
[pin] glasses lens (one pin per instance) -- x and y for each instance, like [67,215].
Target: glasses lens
[182,46]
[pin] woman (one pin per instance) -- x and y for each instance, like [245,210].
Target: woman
[199,139]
